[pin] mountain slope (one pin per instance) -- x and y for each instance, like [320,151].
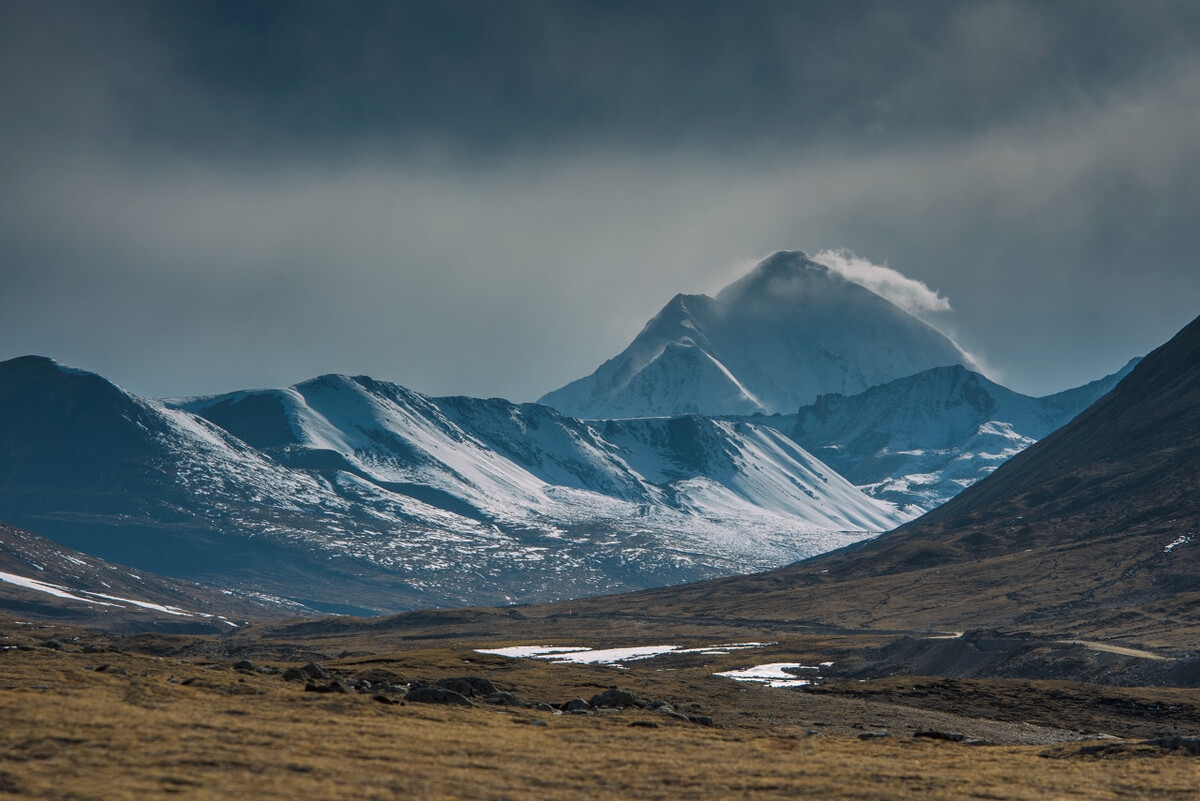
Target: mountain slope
[918,441]
[790,330]
[1092,532]
[42,579]
[348,494]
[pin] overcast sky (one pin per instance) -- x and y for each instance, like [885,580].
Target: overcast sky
[491,198]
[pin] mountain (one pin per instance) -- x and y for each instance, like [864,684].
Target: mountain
[354,495]
[1094,531]
[918,441]
[42,579]
[790,330]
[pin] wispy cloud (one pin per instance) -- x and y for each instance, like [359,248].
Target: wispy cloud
[908,293]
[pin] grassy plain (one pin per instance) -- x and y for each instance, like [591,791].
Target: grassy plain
[110,724]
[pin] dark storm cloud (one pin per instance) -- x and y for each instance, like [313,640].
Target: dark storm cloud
[490,198]
[247,75]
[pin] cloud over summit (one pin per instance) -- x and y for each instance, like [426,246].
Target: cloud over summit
[487,199]
[908,293]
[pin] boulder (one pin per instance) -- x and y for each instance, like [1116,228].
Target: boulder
[614,698]
[954,737]
[469,686]
[503,699]
[294,674]
[315,671]
[331,687]
[437,695]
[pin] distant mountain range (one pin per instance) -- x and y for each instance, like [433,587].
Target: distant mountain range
[787,332]
[352,495]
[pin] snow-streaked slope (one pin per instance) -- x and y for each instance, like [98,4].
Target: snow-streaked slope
[532,469]
[790,330]
[714,464]
[39,577]
[348,493]
[921,440]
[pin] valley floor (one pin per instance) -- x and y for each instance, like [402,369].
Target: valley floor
[155,716]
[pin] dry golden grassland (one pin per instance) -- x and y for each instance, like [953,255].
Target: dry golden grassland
[68,730]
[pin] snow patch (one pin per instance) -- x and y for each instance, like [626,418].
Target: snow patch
[575,655]
[773,674]
[46,587]
[1186,538]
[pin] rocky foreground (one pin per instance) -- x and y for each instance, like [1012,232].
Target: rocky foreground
[96,716]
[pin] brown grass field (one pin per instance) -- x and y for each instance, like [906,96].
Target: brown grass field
[110,724]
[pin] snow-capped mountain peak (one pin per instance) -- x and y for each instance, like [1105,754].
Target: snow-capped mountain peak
[788,331]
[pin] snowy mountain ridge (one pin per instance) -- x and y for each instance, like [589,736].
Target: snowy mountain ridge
[350,493]
[788,331]
[919,441]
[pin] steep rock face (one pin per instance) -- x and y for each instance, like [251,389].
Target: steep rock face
[790,330]
[918,441]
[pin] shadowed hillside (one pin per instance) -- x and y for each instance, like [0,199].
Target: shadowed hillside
[1093,531]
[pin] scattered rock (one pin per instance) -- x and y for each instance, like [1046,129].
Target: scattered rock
[644,724]
[874,735]
[468,686]
[53,645]
[246,664]
[332,687]
[383,699]
[294,674]
[1189,745]
[654,706]
[575,705]
[503,699]
[544,707]
[614,698]
[1186,745]
[315,671]
[92,649]
[953,737]
[530,722]
[437,695]
[702,720]
[671,713]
